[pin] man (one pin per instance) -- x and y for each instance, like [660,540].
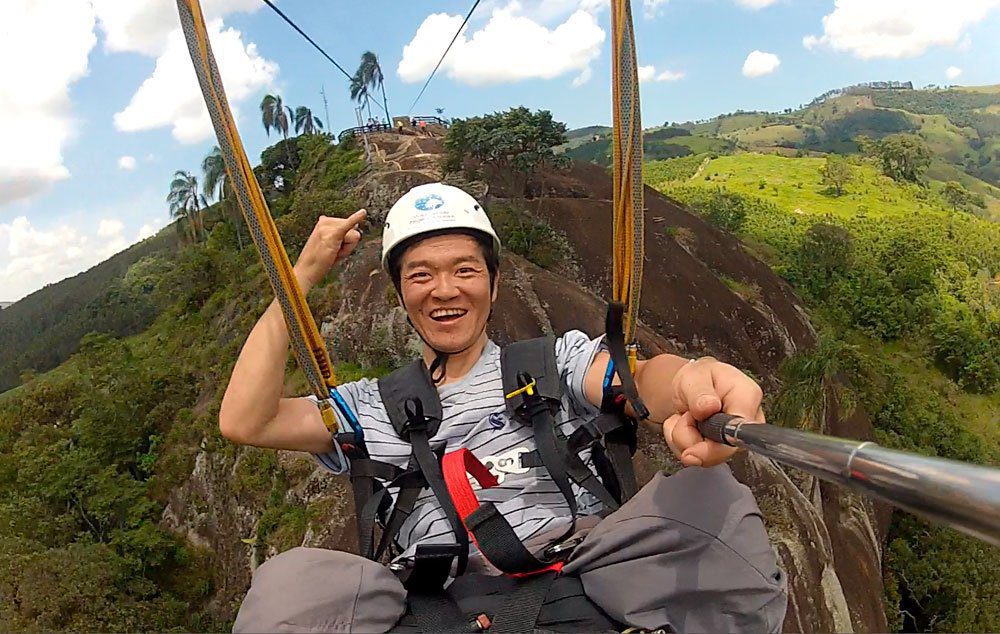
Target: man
[701,557]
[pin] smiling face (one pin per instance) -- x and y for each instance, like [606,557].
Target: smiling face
[445,287]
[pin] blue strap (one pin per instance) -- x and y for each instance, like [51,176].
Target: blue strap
[348,414]
[609,374]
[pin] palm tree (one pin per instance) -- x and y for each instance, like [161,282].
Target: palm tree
[216,185]
[359,92]
[817,382]
[275,114]
[370,74]
[306,122]
[186,202]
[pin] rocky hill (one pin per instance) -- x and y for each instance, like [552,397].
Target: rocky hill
[829,541]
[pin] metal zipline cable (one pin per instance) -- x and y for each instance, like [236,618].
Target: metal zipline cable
[443,55]
[308,39]
[316,46]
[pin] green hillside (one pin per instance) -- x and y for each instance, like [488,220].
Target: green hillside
[906,294]
[961,126]
[795,185]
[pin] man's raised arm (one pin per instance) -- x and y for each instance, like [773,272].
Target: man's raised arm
[253,411]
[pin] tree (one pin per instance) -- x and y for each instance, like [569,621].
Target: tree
[369,74]
[836,173]
[275,114]
[360,94]
[962,199]
[305,122]
[277,170]
[813,386]
[826,253]
[902,157]
[216,185]
[515,142]
[186,202]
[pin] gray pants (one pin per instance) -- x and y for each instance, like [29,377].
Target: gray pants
[689,551]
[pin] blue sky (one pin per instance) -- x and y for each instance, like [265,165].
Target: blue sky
[108,84]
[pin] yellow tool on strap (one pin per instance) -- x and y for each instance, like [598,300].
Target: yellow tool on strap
[627,163]
[310,350]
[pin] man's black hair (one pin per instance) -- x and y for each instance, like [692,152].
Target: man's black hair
[484,241]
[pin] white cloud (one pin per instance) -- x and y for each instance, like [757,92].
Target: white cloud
[583,77]
[147,230]
[542,11]
[509,48]
[144,26]
[953,72]
[898,28]
[126,163]
[648,74]
[652,7]
[755,4]
[670,75]
[759,63]
[32,257]
[108,228]
[45,47]
[171,96]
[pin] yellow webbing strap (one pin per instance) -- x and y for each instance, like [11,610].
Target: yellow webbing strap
[628,204]
[310,351]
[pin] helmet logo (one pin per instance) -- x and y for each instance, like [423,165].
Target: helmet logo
[429,203]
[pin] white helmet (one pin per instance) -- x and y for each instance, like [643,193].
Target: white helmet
[433,207]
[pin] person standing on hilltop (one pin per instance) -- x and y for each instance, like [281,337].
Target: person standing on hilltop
[687,552]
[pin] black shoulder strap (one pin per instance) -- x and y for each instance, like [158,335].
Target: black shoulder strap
[535,358]
[410,382]
[613,326]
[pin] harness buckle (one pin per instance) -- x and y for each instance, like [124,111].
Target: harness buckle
[562,548]
[528,389]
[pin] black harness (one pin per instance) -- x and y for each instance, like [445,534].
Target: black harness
[534,397]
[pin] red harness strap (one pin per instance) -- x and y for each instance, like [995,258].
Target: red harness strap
[456,467]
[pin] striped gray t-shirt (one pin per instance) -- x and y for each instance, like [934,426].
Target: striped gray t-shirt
[475,418]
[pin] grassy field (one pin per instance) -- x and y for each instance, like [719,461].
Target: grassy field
[795,185]
[730,124]
[771,135]
[700,144]
[944,138]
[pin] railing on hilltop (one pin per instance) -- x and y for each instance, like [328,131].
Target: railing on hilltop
[410,122]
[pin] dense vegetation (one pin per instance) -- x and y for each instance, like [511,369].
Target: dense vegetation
[44,329]
[907,293]
[511,144]
[90,453]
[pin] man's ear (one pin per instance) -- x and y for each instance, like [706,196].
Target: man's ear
[496,288]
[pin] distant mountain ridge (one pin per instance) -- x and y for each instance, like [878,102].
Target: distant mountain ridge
[961,126]
[5,305]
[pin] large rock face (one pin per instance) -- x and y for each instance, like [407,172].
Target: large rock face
[828,540]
